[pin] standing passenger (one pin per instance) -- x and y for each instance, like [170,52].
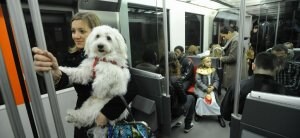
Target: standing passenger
[229,60]
[187,67]
[81,26]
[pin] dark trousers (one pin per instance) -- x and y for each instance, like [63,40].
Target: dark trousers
[186,84]
[189,107]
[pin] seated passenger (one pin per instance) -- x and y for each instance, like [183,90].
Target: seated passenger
[207,82]
[290,47]
[187,67]
[149,61]
[180,102]
[192,50]
[289,72]
[264,69]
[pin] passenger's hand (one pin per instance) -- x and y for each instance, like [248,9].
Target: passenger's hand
[45,61]
[210,89]
[101,120]
[221,58]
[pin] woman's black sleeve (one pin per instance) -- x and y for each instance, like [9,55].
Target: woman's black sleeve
[115,107]
[180,92]
[63,82]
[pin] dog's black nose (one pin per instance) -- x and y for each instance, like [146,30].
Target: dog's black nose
[100,47]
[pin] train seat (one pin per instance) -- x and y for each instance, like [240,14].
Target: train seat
[144,109]
[152,87]
[270,115]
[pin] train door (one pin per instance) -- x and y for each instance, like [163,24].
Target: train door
[32,96]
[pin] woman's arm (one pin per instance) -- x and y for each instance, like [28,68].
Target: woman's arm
[200,84]
[232,56]
[115,107]
[215,80]
[45,61]
[178,88]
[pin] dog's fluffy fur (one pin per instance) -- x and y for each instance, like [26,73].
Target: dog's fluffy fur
[111,77]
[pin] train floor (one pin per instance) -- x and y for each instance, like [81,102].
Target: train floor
[206,127]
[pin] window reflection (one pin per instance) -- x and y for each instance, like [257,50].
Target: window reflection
[194,30]
[146,31]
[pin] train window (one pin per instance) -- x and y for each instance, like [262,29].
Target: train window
[146,31]
[56,25]
[194,30]
[223,19]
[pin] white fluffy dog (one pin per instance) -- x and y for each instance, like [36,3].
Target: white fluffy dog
[106,66]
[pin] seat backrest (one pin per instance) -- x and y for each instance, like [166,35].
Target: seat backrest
[271,115]
[152,86]
[149,84]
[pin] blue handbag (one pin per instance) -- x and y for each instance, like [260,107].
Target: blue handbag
[134,129]
[129,130]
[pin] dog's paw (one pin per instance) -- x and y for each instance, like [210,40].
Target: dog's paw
[70,118]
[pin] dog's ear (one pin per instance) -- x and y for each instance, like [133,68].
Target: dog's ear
[121,43]
[88,43]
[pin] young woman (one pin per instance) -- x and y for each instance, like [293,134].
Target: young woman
[229,59]
[181,103]
[81,26]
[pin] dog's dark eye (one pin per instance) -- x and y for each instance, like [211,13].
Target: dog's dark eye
[97,36]
[108,38]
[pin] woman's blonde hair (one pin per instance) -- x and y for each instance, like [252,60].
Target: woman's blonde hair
[201,65]
[90,18]
[174,65]
[192,50]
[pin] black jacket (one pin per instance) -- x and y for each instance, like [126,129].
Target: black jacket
[257,82]
[187,69]
[178,96]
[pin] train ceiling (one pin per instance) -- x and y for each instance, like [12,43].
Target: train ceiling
[253,7]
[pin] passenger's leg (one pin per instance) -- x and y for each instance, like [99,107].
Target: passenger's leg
[186,85]
[190,110]
[220,118]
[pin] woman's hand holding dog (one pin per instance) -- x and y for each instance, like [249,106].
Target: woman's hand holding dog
[45,61]
[101,120]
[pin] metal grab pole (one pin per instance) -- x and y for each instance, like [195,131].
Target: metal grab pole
[40,37]
[10,104]
[277,23]
[22,42]
[166,46]
[239,58]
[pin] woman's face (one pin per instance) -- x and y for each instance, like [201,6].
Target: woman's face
[226,36]
[80,31]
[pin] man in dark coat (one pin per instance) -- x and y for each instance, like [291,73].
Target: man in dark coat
[264,68]
[187,67]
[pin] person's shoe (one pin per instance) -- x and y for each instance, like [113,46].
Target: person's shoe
[197,118]
[188,127]
[221,121]
[178,124]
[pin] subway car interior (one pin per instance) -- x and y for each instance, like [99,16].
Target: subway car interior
[230,33]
